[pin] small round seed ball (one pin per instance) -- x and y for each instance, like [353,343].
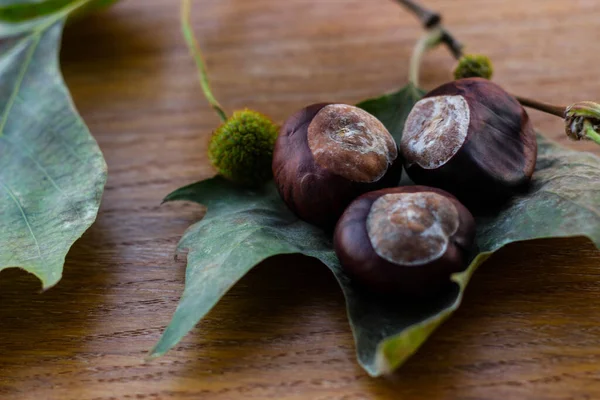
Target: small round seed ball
[474,66]
[472,139]
[241,149]
[404,241]
[326,155]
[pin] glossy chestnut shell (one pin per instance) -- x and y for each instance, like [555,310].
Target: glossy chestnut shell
[326,155]
[473,139]
[404,241]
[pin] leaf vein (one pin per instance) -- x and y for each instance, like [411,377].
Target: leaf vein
[19,82]
[22,210]
[591,210]
[52,130]
[44,171]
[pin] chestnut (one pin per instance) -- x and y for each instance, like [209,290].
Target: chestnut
[326,155]
[471,138]
[404,241]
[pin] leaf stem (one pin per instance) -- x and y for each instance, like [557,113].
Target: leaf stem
[196,52]
[590,132]
[429,40]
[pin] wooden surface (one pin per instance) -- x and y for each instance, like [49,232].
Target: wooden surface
[530,324]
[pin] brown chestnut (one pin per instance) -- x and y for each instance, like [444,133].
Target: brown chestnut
[404,241]
[471,138]
[326,155]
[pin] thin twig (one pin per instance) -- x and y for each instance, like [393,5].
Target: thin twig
[559,111]
[455,47]
[429,18]
[195,50]
[433,20]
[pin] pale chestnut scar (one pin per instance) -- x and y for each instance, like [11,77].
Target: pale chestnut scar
[435,130]
[411,228]
[351,143]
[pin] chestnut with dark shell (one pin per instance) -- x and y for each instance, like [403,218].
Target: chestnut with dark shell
[326,155]
[472,139]
[404,241]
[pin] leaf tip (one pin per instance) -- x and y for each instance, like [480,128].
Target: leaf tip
[168,198]
[382,366]
[47,285]
[153,355]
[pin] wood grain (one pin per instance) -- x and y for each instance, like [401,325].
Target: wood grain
[530,324]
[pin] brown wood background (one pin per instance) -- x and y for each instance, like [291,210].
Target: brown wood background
[529,327]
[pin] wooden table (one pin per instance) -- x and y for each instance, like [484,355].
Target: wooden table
[529,327]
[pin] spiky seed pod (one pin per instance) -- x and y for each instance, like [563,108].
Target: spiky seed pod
[474,66]
[241,149]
